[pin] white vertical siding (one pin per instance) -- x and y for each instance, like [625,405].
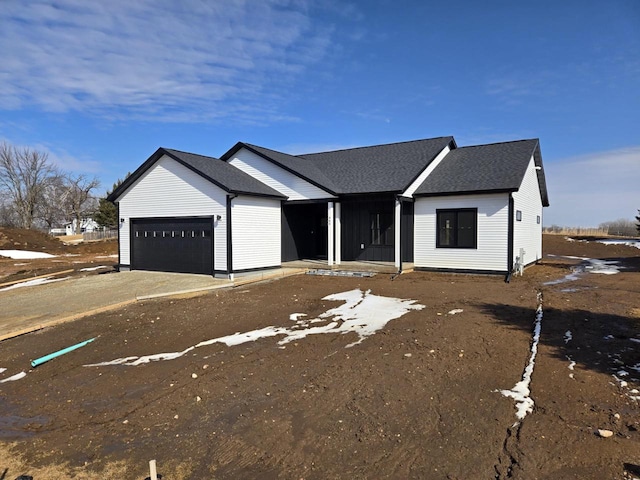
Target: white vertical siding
[255,232]
[169,189]
[425,173]
[527,233]
[294,187]
[491,252]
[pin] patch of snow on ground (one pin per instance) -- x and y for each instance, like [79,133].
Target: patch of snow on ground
[15,377]
[591,265]
[521,392]
[91,269]
[455,310]
[636,340]
[295,316]
[362,313]
[24,254]
[2,370]
[33,283]
[628,242]
[567,336]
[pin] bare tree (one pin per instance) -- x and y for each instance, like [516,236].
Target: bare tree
[24,174]
[51,210]
[77,200]
[620,227]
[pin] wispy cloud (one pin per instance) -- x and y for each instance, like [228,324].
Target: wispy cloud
[595,188]
[157,59]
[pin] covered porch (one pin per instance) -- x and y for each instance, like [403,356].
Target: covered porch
[359,232]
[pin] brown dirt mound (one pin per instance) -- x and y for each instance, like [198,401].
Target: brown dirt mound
[23,239]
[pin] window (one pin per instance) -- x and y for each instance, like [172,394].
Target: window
[457,228]
[518,215]
[538,219]
[381,228]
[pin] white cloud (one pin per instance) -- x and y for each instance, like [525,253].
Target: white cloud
[156,59]
[591,189]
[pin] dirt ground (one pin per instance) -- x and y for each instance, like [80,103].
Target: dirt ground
[75,257]
[420,399]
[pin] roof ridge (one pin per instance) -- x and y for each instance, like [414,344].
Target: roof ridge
[501,143]
[373,146]
[188,153]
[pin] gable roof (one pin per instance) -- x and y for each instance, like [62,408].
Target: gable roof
[293,164]
[496,167]
[376,169]
[380,168]
[221,174]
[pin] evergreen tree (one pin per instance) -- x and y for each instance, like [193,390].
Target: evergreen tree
[638,224]
[107,213]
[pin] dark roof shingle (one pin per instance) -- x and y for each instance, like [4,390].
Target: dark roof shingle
[485,168]
[380,168]
[216,171]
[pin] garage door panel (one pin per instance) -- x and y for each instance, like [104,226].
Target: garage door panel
[173,245]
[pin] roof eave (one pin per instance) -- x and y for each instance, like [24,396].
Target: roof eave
[131,179]
[465,192]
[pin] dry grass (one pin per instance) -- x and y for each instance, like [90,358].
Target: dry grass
[590,231]
[12,465]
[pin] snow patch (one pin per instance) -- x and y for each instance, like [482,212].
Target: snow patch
[2,370]
[15,377]
[33,283]
[454,311]
[591,265]
[567,336]
[521,392]
[361,313]
[91,269]
[24,254]
[630,243]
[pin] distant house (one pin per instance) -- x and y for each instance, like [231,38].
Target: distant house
[426,203]
[86,225]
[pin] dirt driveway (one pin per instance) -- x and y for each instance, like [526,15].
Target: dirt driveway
[419,397]
[26,309]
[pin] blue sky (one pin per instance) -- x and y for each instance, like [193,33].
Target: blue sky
[100,86]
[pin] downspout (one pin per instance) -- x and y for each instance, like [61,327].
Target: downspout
[400,237]
[229,242]
[119,228]
[510,228]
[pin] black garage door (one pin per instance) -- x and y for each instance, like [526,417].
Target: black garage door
[172,245]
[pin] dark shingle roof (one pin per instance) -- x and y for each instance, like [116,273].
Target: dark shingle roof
[380,168]
[216,171]
[485,168]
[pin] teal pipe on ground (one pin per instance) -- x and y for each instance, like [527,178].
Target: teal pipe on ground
[51,356]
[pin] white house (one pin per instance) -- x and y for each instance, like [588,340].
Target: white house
[426,202]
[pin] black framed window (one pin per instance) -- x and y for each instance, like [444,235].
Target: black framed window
[457,228]
[381,228]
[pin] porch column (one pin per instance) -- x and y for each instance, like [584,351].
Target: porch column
[396,243]
[330,223]
[338,237]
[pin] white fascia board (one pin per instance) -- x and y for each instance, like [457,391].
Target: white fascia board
[425,173]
